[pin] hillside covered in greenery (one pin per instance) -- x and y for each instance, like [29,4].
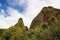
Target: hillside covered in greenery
[45,26]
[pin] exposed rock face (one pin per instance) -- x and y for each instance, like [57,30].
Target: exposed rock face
[45,15]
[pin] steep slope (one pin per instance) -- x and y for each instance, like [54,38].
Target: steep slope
[46,25]
[47,15]
[15,32]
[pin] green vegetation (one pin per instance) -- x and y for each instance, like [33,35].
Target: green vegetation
[45,26]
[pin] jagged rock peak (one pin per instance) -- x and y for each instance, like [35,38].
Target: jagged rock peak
[20,22]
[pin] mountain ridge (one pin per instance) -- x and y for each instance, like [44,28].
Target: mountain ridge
[45,26]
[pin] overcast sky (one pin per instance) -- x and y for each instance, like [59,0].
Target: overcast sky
[12,10]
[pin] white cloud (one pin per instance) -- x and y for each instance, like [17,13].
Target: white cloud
[34,7]
[2,19]
[10,20]
[16,2]
[56,3]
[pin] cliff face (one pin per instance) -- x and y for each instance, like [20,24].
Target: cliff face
[47,14]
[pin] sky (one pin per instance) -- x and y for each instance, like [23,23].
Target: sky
[12,10]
